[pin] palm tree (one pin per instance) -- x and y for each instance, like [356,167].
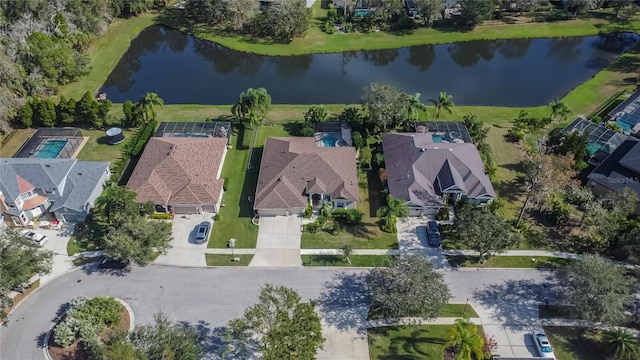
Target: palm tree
[147,104]
[253,104]
[395,207]
[464,337]
[559,108]
[623,344]
[444,102]
[415,106]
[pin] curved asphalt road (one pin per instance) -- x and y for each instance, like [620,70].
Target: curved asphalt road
[209,297]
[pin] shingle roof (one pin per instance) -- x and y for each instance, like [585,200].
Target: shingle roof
[293,167]
[179,171]
[74,180]
[419,170]
[621,169]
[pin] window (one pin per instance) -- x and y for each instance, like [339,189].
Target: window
[12,205]
[49,191]
[23,217]
[28,195]
[16,221]
[340,205]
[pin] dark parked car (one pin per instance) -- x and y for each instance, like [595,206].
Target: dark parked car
[202,232]
[111,263]
[434,234]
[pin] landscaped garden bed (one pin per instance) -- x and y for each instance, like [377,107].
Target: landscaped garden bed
[86,326]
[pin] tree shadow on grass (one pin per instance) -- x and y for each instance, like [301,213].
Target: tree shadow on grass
[344,302]
[293,128]
[250,183]
[213,341]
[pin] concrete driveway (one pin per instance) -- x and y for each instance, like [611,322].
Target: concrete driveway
[411,243]
[58,240]
[184,250]
[278,242]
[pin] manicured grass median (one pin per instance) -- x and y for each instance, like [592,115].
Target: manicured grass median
[356,260]
[508,262]
[225,260]
[458,311]
[570,343]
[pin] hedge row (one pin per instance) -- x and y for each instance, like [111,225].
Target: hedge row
[142,138]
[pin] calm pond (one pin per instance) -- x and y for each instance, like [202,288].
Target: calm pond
[520,72]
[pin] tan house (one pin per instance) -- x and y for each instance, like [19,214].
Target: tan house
[295,172]
[180,174]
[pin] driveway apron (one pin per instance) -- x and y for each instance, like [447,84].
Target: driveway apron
[278,242]
[184,250]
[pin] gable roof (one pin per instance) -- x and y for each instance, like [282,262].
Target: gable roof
[621,169]
[419,171]
[179,171]
[74,181]
[293,167]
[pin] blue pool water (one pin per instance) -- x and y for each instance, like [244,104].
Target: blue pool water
[436,138]
[329,139]
[51,149]
[624,125]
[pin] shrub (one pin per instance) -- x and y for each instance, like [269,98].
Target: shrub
[358,142]
[161,216]
[64,334]
[335,228]
[559,212]
[307,130]
[100,310]
[312,228]
[443,214]
[308,211]
[218,217]
[388,224]
[328,28]
[348,216]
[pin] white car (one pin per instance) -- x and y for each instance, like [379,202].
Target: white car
[34,236]
[543,345]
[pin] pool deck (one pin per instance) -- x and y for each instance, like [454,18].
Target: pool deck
[85,139]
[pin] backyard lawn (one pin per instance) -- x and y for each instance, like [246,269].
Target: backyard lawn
[225,260]
[571,343]
[356,260]
[97,149]
[541,262]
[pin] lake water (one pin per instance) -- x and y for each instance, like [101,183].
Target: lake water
[519,72]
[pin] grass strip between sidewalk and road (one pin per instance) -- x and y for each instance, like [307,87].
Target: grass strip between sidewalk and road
[356,260]
[226,260]
[519,262]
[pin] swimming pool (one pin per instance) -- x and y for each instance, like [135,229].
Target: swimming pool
[330,139]
[51,149]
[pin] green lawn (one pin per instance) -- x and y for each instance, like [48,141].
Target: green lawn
[364,236]
[97,149]
[508,262]
[12,143]
[458,311]
[225,260]
[408,342]
[356,260]
[86,237]
[571,343]
[316,41]
[235,216]
[555,312]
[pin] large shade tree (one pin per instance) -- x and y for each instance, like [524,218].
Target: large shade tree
[483,230]
[596,289]
[279,326]
[409,287]
[386,106]
[115,204]
[444,102]
[20,259]
[137,239]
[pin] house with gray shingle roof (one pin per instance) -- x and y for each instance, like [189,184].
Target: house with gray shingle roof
[429,175]
[32,188]
[621,169]
[180,174]
[294,173]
